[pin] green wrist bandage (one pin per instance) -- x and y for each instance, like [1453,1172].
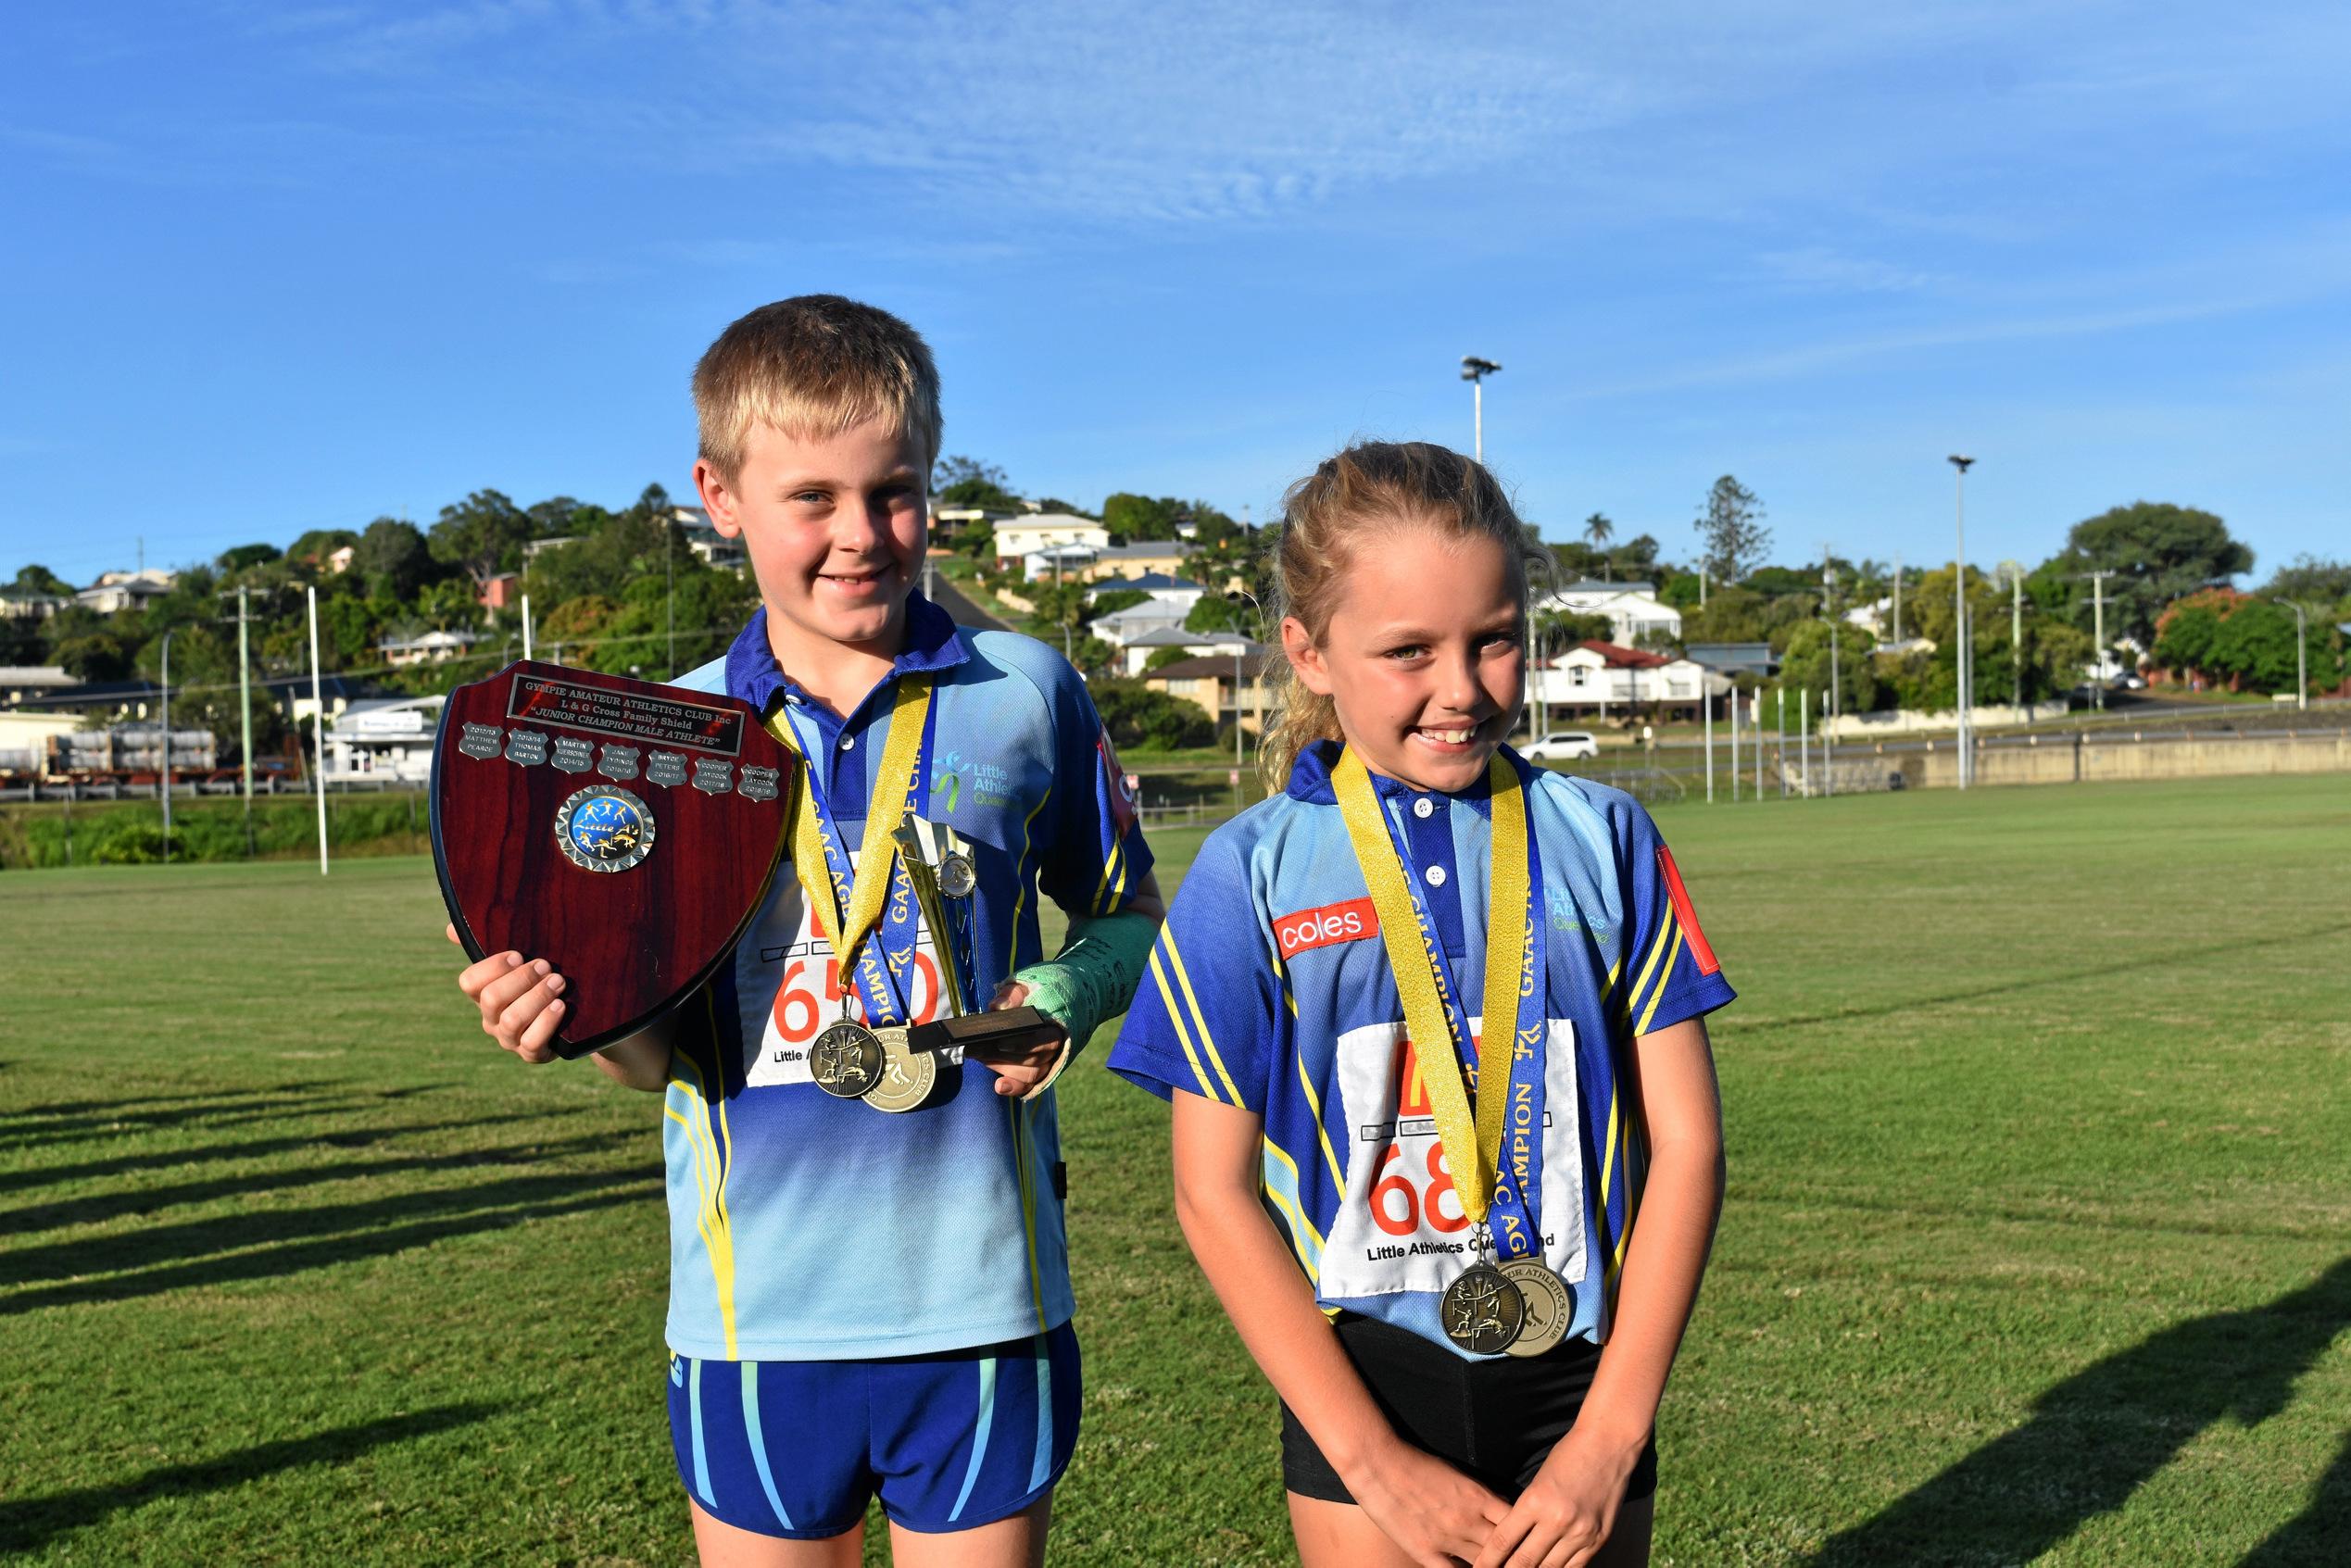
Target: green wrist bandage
[1092,979]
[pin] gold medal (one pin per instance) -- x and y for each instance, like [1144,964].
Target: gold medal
[907,1077]
[846,1061]
[1482,1311]
[1549,1306]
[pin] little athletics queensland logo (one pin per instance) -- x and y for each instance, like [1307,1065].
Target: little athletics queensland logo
[956,778]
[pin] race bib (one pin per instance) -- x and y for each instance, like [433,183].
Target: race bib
[1401,1224]
[789,983]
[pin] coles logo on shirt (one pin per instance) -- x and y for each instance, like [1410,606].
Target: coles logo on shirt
[1350,921]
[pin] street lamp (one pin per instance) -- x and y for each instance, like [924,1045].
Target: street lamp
[1475,370]
[1959,592]
[1234,595]
[2301,653]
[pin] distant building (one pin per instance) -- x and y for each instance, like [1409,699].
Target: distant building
[338,561]
[19,682]
[1208,682]
[431,647]
[711,546]
[1633,609]
[500,592]
[1178,590]
[1735,658]
[1149,556]
[1603,675]
[115,592]
[1122,626]
[1057,564]
[537,547]
[1136,651]
[20,605]
[1020,537]
[383,741]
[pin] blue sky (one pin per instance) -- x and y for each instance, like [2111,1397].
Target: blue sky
[270,267]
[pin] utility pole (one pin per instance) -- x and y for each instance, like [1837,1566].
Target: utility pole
[668,582]
[2098,620]
[165,773]
[1780,699]
[1836,691]
[1897,599]
[2016,637]
[244,716]
[1959,592]
[2301,656]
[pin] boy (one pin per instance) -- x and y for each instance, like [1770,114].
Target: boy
[863,1302]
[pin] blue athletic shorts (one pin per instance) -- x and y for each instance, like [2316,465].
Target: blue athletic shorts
[951,1442]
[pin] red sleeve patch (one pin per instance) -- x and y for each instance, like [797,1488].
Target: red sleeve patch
[1707,963]
[1122,799]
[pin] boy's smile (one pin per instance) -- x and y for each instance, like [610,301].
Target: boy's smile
[1423,657]
[835,529]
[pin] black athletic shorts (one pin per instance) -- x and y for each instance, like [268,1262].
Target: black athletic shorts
[1496,1421]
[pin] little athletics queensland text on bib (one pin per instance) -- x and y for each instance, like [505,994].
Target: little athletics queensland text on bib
[1401,1224]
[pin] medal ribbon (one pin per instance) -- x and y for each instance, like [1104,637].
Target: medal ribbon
[850,905]
[1414,956]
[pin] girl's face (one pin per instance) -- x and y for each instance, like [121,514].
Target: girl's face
[1424,656]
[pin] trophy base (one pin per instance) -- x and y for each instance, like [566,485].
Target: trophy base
[1011,1029]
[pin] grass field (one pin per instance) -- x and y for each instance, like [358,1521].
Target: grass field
[2038,1244]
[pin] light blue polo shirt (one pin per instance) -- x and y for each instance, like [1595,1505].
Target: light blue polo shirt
[803,1228]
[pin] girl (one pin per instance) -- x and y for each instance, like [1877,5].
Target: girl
[1426,1259]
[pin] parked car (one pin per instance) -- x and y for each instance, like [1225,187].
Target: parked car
[1561,746]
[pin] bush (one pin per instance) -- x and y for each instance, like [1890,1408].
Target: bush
[1138,716]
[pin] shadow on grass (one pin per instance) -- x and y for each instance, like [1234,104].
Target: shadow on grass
[14,1119]
[356,1138]
[101,1207]
[301,1239]
[2232,951]
[2094,1438]
[2319,1534]
[26,1524]
[85,1129]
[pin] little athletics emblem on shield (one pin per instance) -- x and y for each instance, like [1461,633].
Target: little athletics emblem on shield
[604,828]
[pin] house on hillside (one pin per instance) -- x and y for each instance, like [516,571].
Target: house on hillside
[1018,538]
[1752,659]
[710,546]
[338,560]
[1633,609]
[1148,557]
[1602,676]
[115,592]
[430,647]
[23,604]
[1208,682]
[19,682]
[1181,592]
[1137,652]
[501,591]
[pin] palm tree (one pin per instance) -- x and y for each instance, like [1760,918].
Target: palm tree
[1599,529]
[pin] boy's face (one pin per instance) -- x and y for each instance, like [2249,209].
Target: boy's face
[835,527]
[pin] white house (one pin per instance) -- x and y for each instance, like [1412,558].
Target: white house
[1135,652]
[115,592]
[1603,675]
[1057,564]
[704,539]
[1633,608]
[383,741]
[1121,626]
[1020,537]
[1180,592]
[432,647]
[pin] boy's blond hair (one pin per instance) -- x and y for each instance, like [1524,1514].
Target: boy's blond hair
[812,367]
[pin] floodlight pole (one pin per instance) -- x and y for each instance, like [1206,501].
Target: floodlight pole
[1897,599]
[1475,370]
[2016,639]
[2301,656]
[1708,707]
[1959,593]
[1734,743]
[1779,695]
[245,715]
[1754,729]
[1803,735]
[318,703]
[165,775]
[527,626]
[2098,623]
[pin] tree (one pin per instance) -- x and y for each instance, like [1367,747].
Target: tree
[2310,581]
[242,555]
[2158,552]
[1731,527]
[2248,642]
[1805,665]
[1111,603]
[482,533]
[1214,612]
[1599,529]
[966,482]
[315,545]
[1139,717]
[1132,519]
[392,558]
[40,580]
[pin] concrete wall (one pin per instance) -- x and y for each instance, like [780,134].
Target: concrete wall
[2110,757]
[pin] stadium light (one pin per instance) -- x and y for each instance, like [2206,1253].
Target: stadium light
[1959,593]
[1475,370]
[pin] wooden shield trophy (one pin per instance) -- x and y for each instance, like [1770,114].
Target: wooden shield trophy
[623,831]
